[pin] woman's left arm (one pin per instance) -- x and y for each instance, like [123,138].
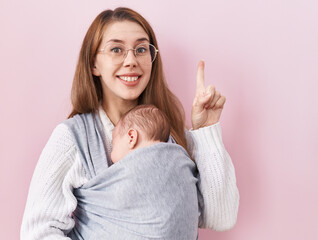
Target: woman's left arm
[218,193]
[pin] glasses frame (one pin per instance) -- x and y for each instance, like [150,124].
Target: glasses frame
[134,50]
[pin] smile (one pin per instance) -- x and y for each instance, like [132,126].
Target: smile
[129,79]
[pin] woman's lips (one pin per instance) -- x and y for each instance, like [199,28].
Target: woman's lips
[129,80]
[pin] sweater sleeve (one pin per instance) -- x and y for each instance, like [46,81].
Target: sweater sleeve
[217,191]
[50,200]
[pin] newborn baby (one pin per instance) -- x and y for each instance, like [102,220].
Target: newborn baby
[150,190]
[142,126]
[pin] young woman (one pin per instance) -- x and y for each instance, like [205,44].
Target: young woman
[119,67]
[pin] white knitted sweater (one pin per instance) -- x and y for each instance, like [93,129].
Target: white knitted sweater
[59,170]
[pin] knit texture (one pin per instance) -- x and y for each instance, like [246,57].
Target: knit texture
[59,170]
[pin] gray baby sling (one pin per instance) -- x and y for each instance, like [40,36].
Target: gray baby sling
[149,194]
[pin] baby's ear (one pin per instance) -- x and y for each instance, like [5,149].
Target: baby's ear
[132,138]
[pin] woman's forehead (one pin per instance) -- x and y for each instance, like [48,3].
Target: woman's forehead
[124,31]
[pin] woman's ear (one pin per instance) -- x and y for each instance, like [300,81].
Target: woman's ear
[94,69]
[132,138]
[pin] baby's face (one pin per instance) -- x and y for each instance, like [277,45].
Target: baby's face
[120,145]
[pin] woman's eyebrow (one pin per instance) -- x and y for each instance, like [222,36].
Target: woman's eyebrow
[115,40]
[142,39]
[121,41]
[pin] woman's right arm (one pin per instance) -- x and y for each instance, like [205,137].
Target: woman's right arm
[51,201]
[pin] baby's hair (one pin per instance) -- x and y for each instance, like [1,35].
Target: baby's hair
[149,120]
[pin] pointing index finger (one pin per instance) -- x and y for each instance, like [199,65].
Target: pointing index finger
[200,78]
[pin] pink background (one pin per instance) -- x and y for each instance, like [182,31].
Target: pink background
[262,55]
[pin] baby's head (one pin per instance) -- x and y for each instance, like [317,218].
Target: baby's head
[142,126]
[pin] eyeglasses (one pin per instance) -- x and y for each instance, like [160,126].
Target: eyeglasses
[144,52]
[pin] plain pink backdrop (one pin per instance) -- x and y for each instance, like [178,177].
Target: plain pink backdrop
[262,55]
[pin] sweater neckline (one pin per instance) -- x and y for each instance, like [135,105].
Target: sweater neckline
[105,119]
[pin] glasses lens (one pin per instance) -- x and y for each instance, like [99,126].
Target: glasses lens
[116,51]
[146,53]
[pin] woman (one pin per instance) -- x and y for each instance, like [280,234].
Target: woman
[114,74]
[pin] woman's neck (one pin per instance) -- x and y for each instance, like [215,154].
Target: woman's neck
[116,109]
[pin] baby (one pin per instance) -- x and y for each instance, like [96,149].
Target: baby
[140,127]
[150,190]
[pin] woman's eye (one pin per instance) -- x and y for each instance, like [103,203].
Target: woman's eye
[116,50]
[141,50]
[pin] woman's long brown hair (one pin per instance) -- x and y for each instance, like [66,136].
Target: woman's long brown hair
[87,92]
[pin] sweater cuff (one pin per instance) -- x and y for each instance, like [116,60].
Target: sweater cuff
[205,137]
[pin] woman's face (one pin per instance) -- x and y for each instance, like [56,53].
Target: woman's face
[128,79]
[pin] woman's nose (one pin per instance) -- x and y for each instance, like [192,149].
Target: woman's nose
[130,59]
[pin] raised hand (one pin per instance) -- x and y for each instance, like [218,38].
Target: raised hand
[207,104]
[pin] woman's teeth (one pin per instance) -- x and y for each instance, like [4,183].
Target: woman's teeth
[128,79]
